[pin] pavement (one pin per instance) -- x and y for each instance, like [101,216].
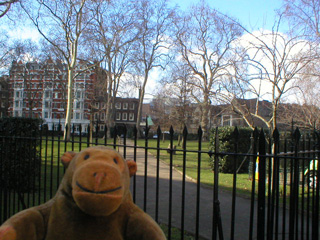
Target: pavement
[148,203]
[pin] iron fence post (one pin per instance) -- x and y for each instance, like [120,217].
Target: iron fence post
[261,187]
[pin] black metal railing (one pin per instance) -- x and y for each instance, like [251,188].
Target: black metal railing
[283,202]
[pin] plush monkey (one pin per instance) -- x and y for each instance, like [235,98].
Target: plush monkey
[93,202]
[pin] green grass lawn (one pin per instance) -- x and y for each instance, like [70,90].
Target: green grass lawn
[191,162]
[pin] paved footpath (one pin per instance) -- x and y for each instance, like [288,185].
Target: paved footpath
[242,212]
[206,200]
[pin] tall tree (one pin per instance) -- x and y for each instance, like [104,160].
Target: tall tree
[154,19]
[62,24]
[111,36]
[204,40]
[273,61]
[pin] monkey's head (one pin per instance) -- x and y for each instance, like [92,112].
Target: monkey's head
[99,179]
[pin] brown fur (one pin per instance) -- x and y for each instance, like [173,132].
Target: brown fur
[93,202]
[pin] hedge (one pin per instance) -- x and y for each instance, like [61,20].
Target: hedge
[227,142]
[19,153]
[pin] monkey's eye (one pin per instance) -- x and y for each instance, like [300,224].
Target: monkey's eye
[86,157]
[115,161]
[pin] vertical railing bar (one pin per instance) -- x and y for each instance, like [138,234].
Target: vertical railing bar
[315,222]
[308,190]
[45,163]
[88,135]
[234,187]
[297,177]
[303,188]
[6,187]
[198,182]
[275,184]
[72,137]
[33,143]
[27,144]
[261,187]
[184,146]
[284,204]
[80,137]
[105,134]
[146,167]
[125,142]
[115,134]
[97,133]
[135,136]
[1,176]
[270,195]
[58,156]
[65,139]
[17,168]
[158,173]
[170,184]
[51,167]
[40,167]
[255,135]
[216,221]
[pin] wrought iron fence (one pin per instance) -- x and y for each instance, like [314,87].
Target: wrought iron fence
[282,201]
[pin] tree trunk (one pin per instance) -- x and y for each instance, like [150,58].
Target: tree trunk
[69,105]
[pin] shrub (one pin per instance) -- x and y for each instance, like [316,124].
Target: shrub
[19,153]
[227,144]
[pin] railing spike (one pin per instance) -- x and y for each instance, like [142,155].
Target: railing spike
[185,131]
[236,133]
[171,131]
[158,131]
[276,135]
[200,132]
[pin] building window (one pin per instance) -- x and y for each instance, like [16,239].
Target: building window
[103,116]
[78,105]
[47,104]
[226,120]
[125,105]
[131,106]
[77,115]
[124,116]
[131,116]
[118,105]
[118,116]
[46,115]
[47,94]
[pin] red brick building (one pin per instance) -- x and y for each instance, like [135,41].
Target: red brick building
[39,90]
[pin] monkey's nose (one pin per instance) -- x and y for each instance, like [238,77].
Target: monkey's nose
[99,177]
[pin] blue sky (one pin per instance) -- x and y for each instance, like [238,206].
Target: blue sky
[253,14]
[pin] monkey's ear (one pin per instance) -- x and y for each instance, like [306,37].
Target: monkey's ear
[132,165]
[67,157]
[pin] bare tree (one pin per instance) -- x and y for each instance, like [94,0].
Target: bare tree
[177,89]
[273,62]
[306,112]
[204,41]
[154,21]
[62,23]
[112,35]
[304,15]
